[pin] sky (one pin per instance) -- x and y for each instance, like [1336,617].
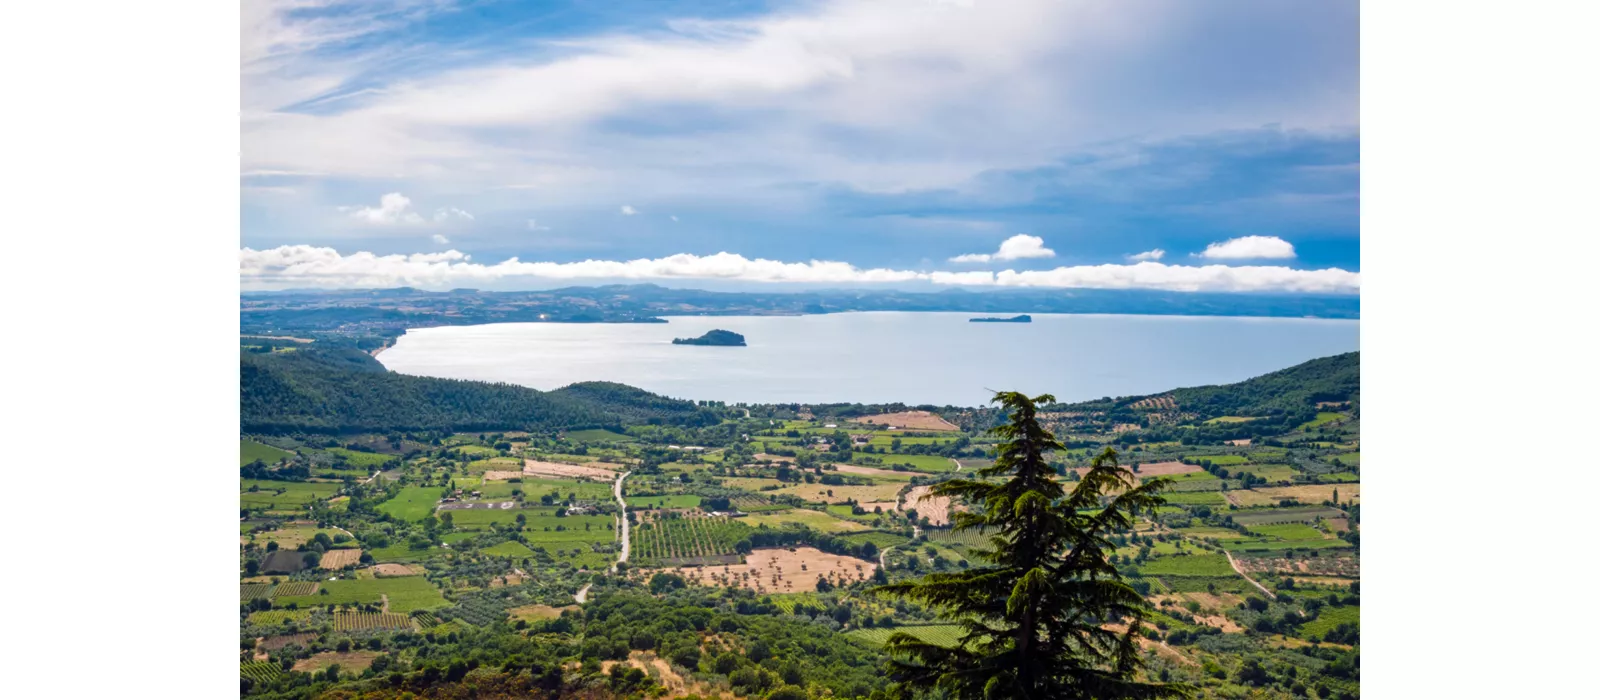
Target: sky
[1188,145]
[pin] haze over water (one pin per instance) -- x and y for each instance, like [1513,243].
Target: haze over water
[879,357]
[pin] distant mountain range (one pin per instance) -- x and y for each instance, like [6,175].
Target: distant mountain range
[386,313]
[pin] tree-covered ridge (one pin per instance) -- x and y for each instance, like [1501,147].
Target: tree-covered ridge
[342,390]
[1336,378]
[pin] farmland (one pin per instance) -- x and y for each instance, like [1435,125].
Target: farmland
[378,567]
[405,594]
[250,451]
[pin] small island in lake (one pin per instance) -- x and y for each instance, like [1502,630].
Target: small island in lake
[715,337]
[1024,318]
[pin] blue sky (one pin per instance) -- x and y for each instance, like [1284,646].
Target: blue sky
[908,142]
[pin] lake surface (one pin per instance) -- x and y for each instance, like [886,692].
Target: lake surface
[879,357]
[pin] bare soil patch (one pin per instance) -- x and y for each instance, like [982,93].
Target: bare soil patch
[870,471]
[592,470]
[394,570]
[349,661]
[780,571]
[910,420]
[280,641]
[335,559]
[1241,442]
[935,508]
[501,476]
[538,612]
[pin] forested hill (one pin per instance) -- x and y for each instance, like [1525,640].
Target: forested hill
[1295,390]
[344,390]
[1334,378]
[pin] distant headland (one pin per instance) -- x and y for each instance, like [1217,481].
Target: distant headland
[714,337]
[1024,318]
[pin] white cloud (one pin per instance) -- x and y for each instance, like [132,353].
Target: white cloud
[1156,254]
[449,213]
[919,88]
[310,266]
[1248,248]
[533,225]
[440,239]
[628,210]
[393,208]
[1016,247]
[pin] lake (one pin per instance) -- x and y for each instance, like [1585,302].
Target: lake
[879,357]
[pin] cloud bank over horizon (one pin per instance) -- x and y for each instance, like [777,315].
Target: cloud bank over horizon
[302,266]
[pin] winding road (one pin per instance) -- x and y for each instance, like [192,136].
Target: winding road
[617,491]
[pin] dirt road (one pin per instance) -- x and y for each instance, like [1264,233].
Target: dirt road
[582,596]
[617,491]
[1246,576]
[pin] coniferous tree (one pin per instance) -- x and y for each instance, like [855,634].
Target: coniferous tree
[1035,617]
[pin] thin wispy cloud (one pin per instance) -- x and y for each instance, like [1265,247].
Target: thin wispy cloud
[1156,254]
[628,210]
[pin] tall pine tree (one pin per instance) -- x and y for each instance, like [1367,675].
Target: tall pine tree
[1035,616]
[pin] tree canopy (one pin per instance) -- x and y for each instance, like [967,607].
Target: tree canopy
[1048,616]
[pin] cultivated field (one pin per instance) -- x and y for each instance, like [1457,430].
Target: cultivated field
[821,522]
[690,539]
[910,420]
[361,622]
[1308,494]
[592,470]
[501,476]
[935,508]
[822,493]
[781,570]
[335,559]
[396,570]
[874,472]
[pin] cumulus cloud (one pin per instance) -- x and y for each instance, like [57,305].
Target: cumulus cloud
[441,240]
[628,210]
[1249,247]
[311,266]
[1156,254]
[1014,248]
[393,208]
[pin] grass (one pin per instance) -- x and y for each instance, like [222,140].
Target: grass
[821,522]
[1223,460]
[883,540]
[1330,618]
[536,520]
[1323,418]
[363,460]
[1257,546]
[401,553]
[1189,565]
[585,490]
[1271,472]
[283,494]
[413,504]
[250,451]
[921,463]
[406,593]
[514,550]
[1288,531]
[945,635]
[1228,419]
[1196,498]
[1220,533]
[597,435]
[1266,516]
[669,501]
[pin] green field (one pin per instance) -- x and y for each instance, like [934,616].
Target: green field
[945,635]
[406,593]
[1195,498]
[540,524]
[1258,546]
[1223,460]
[597,435]
[1220,533]
[815,520]
[514,550]
[1189,565]
[283,494]
[921,463]
[584,490]
[250,451]
[1228,419]
[363,460]
[1330,618]
[413,504]
[672,501]
[1288,531]
[883,540]
[1264,516]
[1323,418]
